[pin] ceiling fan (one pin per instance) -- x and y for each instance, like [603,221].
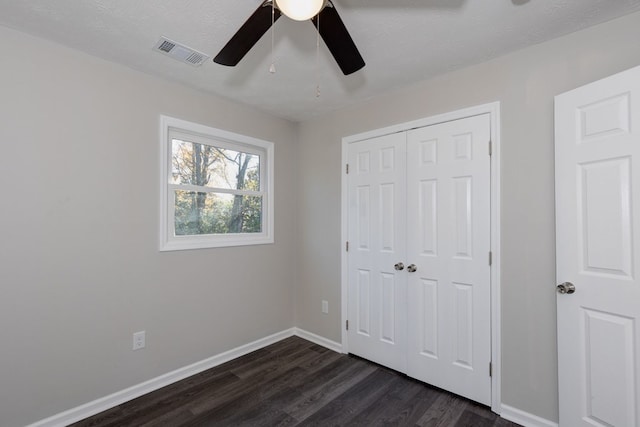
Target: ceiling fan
[331,29]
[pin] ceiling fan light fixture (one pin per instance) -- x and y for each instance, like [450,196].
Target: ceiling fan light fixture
[300,10]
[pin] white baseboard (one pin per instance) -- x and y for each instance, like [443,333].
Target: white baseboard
[524,418]
[81,412]
[317,339]
[99,405]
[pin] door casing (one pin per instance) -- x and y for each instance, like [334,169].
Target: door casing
[493,109]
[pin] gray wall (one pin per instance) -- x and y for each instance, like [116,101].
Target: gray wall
[79,262]
[525,83]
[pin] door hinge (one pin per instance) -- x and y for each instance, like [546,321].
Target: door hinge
[347,245]
[490,148]
[490,369]
[347,325]
[347,168]
[490,258]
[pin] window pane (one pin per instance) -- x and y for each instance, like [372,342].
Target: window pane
[208,166]
[216,213]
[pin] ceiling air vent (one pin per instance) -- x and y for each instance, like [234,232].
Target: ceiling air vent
[180,52]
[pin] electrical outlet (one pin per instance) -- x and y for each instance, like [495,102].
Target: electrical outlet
[325,306]
[139,340]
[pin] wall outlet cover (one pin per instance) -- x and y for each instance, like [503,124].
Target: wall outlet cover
[139,340]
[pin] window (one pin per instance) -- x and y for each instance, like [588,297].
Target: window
[217,187]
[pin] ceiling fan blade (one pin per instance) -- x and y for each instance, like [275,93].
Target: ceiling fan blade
[338,40]
[248,35]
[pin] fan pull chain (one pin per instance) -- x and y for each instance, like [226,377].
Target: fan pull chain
[318,58]
[272,68]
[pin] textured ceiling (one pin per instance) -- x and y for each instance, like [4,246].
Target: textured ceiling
[402,41]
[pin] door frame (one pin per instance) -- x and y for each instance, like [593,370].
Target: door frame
[493,109]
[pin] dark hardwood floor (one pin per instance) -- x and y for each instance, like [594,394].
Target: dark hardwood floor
[297,383]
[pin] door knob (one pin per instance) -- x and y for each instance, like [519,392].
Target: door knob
[412,268]
[566,288]
[399,266]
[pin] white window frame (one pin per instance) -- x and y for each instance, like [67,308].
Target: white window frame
[169,241]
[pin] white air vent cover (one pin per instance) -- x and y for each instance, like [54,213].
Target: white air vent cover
[180,52]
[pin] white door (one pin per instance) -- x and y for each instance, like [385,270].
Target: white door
[449,242]
[377,242]
[597,234]
[419,274]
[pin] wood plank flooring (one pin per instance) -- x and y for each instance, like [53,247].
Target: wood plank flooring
[297,383]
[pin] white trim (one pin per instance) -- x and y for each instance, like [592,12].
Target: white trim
[344,232]
[496,291]
[91,408]
[493,109]
[102,404]
[317,339]
[525,419]
[169,242]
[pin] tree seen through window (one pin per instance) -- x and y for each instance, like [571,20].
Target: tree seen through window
[218,190]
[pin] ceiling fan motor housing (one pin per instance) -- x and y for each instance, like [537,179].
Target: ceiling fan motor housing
[300,10]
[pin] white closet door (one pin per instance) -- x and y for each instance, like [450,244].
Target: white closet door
[377,241]
[422,199]
[448,210]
